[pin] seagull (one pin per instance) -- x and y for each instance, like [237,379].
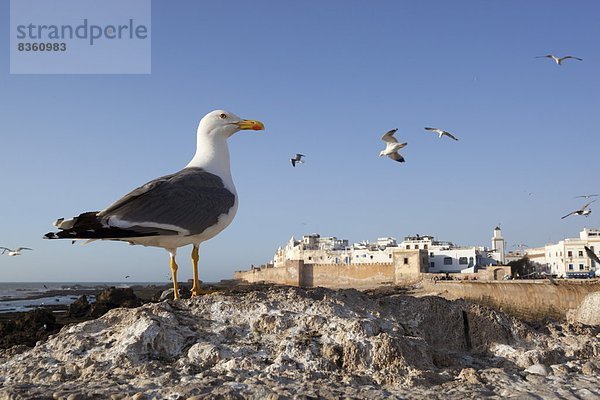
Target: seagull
[587,196]
[297,159]
[442,132]
[590,253]
[392,146]
[582,211]
[187,207]
[15,252]
[559,60]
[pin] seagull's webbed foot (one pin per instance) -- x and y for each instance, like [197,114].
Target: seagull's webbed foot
[195,258]
[174,275]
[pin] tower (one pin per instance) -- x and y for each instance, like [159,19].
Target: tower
[498,245]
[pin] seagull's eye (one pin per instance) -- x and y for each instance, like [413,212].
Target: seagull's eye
[222,115]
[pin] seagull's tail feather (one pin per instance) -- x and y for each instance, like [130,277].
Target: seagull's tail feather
[89,226]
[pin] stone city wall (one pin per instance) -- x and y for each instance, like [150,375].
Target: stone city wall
[344,276]
[526,299]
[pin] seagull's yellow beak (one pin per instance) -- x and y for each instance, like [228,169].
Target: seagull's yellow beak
[251,125]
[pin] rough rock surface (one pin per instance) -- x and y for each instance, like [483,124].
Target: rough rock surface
[35,325]
[588,312]
[284,343]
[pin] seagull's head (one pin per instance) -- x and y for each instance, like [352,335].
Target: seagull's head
[224,124]
[382,153]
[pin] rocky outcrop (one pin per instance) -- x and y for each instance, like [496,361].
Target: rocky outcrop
[274,342]
[29,328]
[37,324]
[588,312]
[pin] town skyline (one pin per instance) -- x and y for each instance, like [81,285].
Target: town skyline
[328,85]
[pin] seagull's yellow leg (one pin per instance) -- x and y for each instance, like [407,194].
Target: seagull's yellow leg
[195,258]
[174,274]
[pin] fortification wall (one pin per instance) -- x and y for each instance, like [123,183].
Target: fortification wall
[290,274]
[344,276]
[526,299]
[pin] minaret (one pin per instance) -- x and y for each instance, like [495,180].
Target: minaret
[498,245]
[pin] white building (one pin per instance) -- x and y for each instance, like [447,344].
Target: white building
[446,257]
[498,246]
[443,256]
[568,257]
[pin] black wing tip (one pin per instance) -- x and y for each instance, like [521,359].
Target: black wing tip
[51,235]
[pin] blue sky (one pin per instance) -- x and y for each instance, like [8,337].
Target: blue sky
[327,79]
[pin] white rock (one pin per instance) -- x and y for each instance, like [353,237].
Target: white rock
[537,369]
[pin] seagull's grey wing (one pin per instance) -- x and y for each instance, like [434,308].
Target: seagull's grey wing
[587,205]
[396,157]
[571,213]
[546,56]
[5,248]
[293,161]
[23,248]
[389,136]
[590,253]
[190,200]
[436,130]
[451,136]
[575,58]
[298,155]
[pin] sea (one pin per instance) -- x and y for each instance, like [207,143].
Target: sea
[25,296]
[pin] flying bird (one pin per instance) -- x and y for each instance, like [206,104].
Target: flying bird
[297,160]
[590,253]
[187,207]
[587,196]
[15,252]
[559,60]
[392,146]
[585,210]
[442,132]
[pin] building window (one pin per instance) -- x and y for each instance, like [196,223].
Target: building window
[569,253]
[470,261]
[432,265]
[570,267]
[581,267]
[416,247]
[463,261]
[408,247]
[580,253]
[447,261]
[431,254]
[405,260]
[425,247]
[371,257]
[389,256]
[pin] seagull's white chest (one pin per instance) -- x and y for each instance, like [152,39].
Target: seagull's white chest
[391,148]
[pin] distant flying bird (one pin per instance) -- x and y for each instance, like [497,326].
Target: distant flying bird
[180,209]
[442,132]
[559,60]
[590,253]
[127,276]
[587,196]
[392,146]
[297,159]
[15,252]
[585,211]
